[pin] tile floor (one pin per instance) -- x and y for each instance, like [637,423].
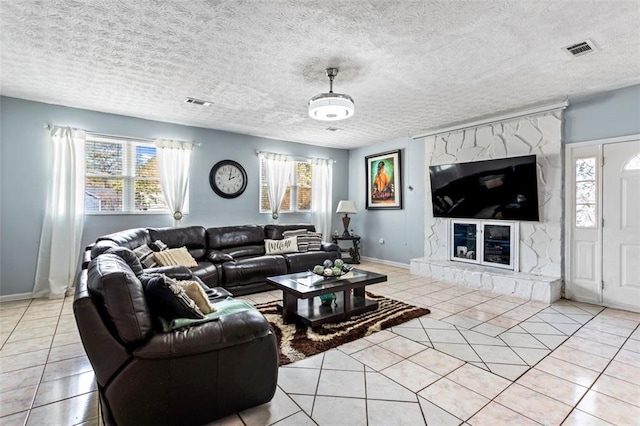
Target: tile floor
[479,358]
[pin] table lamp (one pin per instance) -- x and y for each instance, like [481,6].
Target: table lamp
[347,207]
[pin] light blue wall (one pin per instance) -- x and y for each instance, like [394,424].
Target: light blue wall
[402,230]
[25,163]
[603,115]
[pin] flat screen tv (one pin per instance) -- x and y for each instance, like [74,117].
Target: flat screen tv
[502,189]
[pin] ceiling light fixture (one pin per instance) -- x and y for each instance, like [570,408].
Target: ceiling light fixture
[331,106]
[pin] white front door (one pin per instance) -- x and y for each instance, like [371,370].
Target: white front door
[621,226]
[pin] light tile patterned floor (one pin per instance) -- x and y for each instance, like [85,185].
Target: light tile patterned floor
[479,358]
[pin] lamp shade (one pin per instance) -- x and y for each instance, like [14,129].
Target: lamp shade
[347,207]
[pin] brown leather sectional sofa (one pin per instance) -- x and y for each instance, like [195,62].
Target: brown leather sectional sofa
[191,375]
[232,257]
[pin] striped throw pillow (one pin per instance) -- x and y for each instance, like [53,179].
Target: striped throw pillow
[175,256]
[301,234]
[146,256]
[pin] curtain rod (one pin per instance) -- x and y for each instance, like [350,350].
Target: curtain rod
[106,135]
[296,157]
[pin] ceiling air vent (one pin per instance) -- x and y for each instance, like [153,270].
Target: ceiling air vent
[582,48]
[198,102]
[333,129]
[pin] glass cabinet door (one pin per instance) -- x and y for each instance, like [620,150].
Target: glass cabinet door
[497,244]
[464,238]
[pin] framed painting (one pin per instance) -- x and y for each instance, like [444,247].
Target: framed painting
[384,180]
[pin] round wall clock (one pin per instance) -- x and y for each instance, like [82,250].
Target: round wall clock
[228,179]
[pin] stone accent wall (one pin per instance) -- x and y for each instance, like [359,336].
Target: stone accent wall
[540,252]
[540,134]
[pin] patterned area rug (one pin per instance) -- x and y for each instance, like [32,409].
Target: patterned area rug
[297,341]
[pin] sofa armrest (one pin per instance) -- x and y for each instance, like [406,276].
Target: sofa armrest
[217,256]
[178,272]
[330,247]
[225,331]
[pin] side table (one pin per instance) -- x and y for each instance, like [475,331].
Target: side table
[354,252]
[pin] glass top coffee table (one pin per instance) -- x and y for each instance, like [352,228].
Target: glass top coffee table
[349,290]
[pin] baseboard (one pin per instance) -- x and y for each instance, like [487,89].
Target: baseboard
[12,297]
[386,262]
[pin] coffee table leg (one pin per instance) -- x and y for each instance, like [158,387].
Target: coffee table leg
[290,307]
[359,292]
[347,303]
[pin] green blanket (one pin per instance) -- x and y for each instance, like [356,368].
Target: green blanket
[226,307]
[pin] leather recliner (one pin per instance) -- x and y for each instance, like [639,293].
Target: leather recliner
[192,375]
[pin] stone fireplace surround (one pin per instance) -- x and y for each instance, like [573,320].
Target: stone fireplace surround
[540,257]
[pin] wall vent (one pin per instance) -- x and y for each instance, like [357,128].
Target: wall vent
[581,49]
[198,102]
[333,129]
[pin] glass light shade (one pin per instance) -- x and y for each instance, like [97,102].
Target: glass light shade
[347,207]
[331,107]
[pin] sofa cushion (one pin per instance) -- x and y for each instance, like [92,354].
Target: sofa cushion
[175,256]
[245,251]
[235,236]
[286,245]
[194,238]
[253,269]
[130,238]
[299,262]
[129,257]
[208,273]
[167,299]
[217,256]
[122,297]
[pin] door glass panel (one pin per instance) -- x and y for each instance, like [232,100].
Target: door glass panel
[633,164]
[464,240]
[585,189]
[497,244]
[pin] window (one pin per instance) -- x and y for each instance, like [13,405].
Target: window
[299,190]
[585,216]
[122,176]
[633,164]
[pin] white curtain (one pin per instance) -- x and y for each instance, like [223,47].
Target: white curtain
[174,160]
[64,216]
[321,196]
[278,168]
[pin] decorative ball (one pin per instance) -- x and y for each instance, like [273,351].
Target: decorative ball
[328,272]
[336,271]
[318,269]
[338,263]
[328,263]
[346,268]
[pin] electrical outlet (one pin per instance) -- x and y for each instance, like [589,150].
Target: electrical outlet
[381,240]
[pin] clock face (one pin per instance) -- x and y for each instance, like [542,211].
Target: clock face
[228,179]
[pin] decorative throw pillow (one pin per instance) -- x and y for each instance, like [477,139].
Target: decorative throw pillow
[158,245]
[315,240]
[288,245]
[167,299]
[175,256]
[197,294]
[146,256]
[301,235]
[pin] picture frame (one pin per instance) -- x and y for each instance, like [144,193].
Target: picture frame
[384,180]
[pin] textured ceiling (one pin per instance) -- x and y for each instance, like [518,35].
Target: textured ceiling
[409,65]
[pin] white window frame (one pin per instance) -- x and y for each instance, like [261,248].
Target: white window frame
[128,176]
[293,194]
